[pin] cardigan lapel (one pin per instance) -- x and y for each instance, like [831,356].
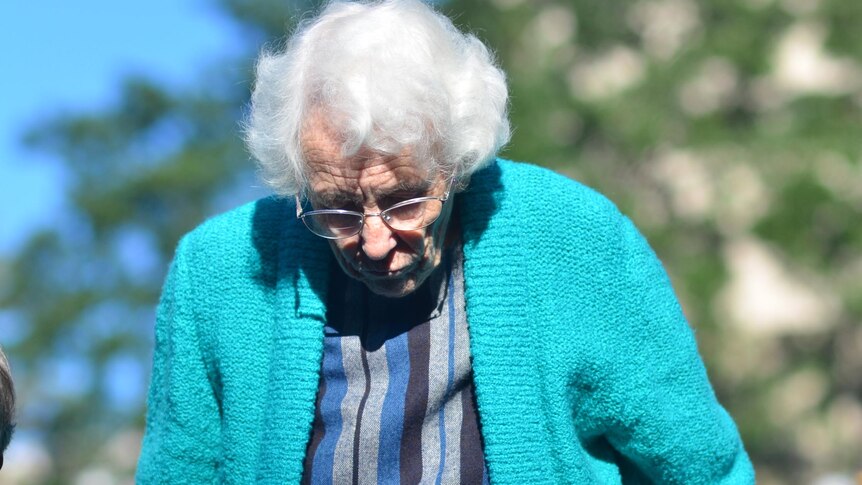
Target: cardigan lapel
[299,311]
[504,354]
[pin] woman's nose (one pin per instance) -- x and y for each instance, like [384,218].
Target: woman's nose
[377,239]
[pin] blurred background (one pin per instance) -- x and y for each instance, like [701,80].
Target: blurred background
[730,131]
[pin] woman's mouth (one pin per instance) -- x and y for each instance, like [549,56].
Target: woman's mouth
[381,273]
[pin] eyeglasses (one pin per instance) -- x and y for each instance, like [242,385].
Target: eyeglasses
[408,215]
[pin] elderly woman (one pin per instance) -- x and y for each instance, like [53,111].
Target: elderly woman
[410,309]
[7,405]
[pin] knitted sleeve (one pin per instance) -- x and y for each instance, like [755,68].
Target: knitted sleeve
[669,426]
[181,441]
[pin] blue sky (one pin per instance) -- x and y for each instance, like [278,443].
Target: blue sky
[69,55]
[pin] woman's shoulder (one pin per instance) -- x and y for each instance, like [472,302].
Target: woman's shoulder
[239,236]
[540,201]
[532,187]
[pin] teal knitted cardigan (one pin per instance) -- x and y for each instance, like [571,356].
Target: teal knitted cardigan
[585,368]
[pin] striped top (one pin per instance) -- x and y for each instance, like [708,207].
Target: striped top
[395,402]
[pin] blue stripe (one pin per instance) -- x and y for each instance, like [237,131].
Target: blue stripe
[392,415]
[451,377]
[330,410]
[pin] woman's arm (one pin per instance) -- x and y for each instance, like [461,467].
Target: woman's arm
[181,442]
[668,424]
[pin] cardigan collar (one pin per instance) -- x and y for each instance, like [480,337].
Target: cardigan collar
[494,259]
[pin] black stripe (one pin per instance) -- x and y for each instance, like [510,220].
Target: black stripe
[472,457]
[415,403]
[365,394]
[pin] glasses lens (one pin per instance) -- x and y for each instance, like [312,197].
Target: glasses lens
[333,225]
[413,215]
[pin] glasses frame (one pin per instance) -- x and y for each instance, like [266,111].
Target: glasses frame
[300,214]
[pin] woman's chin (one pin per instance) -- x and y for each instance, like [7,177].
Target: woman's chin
[395,287]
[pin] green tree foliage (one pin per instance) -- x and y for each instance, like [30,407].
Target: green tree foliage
[727,130]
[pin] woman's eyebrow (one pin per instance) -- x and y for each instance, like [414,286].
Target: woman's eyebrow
[417,188]
[337,199]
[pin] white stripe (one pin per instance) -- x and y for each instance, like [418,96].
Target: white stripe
[453,419]
[438,374]
[369,435]
[454,407]
[342,466]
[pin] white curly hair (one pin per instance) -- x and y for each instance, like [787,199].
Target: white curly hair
[388,75]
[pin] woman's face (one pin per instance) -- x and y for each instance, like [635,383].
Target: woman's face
[389,263]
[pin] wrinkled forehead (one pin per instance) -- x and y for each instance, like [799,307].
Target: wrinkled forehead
[365,175]
[329,168]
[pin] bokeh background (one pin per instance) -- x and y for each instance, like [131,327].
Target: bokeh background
[729,130]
